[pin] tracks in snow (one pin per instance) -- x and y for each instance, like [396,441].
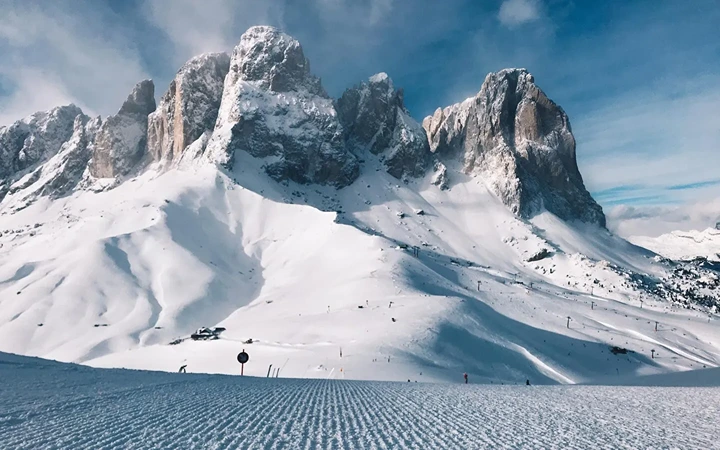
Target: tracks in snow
[86,408]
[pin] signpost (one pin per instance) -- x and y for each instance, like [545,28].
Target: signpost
[242,358]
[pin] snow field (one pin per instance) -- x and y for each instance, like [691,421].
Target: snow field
[110,279]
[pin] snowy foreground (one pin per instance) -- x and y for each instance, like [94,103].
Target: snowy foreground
[55,405]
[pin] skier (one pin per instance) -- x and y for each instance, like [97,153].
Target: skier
[527,382]
[341,352]
[466,378]
[182,369]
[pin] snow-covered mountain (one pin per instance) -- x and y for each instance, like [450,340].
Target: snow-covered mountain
[684,245]
[329,238]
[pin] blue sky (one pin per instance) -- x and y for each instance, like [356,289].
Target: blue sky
[639,79]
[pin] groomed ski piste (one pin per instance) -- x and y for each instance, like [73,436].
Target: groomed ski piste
[55,405]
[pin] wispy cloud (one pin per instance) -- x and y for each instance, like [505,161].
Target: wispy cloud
[698,185]
[656,220]
[194,27]
[517,12]
[52,57]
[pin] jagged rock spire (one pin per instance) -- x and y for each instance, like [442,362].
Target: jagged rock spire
[520,142]
[272,106]
[375,119]
[120,145]
[189,108]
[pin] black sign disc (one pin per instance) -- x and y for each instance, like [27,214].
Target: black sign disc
[243,357]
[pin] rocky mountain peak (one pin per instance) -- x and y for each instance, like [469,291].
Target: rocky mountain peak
[189,108]
[141,100]
[273,107]
[36,138]
[120,144]
[275,60]
[518,140]
[375,119]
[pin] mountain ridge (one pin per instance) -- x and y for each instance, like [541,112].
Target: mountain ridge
[264,99]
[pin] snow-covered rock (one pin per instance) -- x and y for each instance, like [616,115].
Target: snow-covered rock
[32,141]
[520,142]
[120,144]
[274,108]
[440,177]
[376,120]
[189,108]
[62,173]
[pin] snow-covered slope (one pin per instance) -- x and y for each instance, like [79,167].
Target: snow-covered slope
[52,405]
[684,245]
[111,278]
[423,273]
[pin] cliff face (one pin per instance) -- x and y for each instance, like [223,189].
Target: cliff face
[120,144]
[375,120]
[273,107]
[520,142]
[189,108]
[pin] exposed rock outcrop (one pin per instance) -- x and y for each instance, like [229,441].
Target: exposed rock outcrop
[375,120]
[274,108]
[120,144]
[189,108]
[35,139]
[440,177]
[520,142]
[63,172]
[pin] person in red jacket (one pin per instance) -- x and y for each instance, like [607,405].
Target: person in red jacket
[465,376]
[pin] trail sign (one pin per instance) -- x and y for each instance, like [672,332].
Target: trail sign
[242,358]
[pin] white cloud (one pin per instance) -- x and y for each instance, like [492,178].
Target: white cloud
[51,57]
[517,12]
[195,27]
[656,220]
[34,90]
[653,137]
[379,10]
